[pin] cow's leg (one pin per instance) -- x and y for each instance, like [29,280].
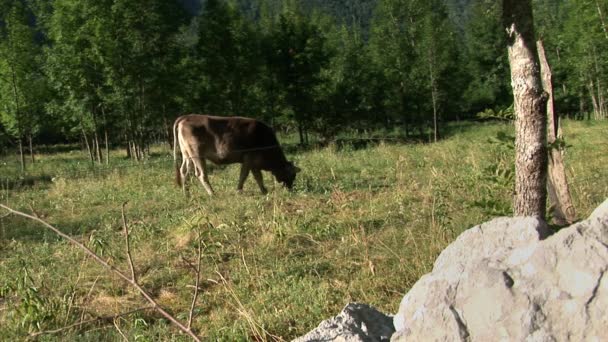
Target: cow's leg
[184,170]
[242,177]
[201,166]
[257,174]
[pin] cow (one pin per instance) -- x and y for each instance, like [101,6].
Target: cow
[228,140]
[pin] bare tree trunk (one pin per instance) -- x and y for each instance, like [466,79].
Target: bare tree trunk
[601,101]
[434,91]
[17,112]
[167,131]
[602,21]
[530,109]
[21,156]
[96,144]
[98,155]
[89,150]
[105,133]
[562,209]
[594,99]
[301,132]
[30,139]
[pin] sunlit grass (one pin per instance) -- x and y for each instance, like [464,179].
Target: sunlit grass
[362,225]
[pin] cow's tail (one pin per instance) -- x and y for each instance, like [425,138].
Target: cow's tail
[178,176]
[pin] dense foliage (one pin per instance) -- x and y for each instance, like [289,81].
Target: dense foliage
[116,72]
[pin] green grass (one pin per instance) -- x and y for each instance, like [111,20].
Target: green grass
[362,225]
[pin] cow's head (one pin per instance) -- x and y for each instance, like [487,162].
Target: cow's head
[287,174]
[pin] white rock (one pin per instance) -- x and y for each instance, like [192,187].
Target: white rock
[500,281]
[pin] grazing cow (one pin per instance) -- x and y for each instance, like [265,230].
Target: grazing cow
[227,140]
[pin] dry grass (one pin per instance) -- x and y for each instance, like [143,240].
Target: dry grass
[362,225]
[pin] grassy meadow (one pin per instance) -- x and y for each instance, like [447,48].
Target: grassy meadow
[363,224]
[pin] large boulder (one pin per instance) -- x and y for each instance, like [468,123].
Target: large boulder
[505,280]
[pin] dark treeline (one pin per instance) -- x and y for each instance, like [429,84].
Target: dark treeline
[117,72]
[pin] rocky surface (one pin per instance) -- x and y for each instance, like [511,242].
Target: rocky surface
[504,280]
[356,323]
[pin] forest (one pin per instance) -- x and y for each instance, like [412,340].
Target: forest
[116,72]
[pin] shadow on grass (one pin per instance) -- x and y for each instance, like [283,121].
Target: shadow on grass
[459,127]
[25,182]
[14,227]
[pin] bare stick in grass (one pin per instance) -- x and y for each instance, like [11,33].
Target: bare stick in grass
[119,331]
[128,247]
[113,269]
[198,277]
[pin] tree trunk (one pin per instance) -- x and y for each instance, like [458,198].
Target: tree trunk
[602,21]
[30,139]
[89,150]
[96,144]
[21,156]
[301,132]
[128,147]
[97,148]
[105,133]
[562,209]
[434,91]
[168,134]
[530,110]
[594,99]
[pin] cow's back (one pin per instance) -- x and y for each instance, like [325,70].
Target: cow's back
[225,140]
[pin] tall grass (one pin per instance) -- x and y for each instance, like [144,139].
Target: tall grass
[362,225]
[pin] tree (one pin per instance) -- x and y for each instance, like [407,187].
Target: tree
[436,52]
[585,45]
[530,110]
[391,39]
[345,95]
[75,69]
[224,64]
[22,85]
[298,54]
[487,63]
[414,45]
[135,49]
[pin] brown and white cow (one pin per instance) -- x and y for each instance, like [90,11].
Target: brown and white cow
[227,140]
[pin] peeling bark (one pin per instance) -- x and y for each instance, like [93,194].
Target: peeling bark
[562,209]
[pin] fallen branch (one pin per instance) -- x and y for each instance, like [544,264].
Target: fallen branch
[114,270]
